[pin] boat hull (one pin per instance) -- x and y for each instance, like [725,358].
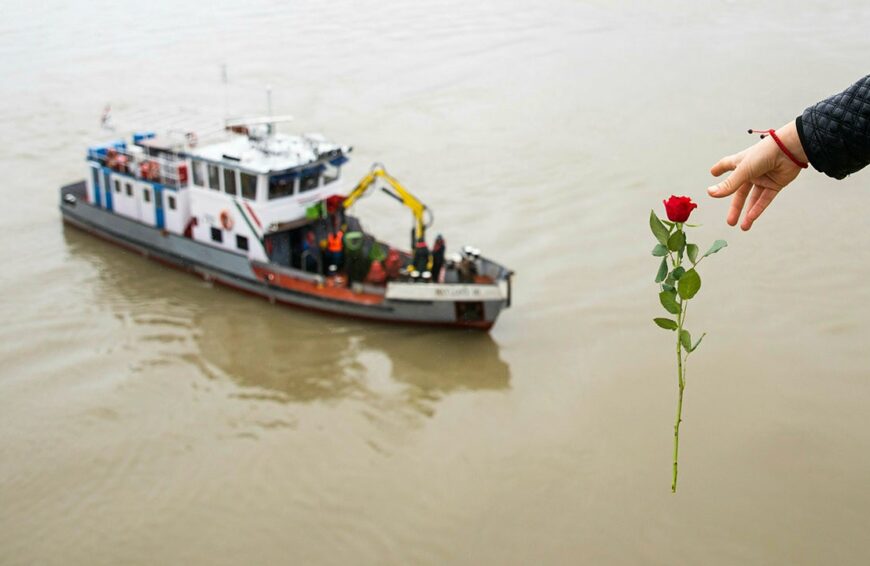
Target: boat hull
[236,271]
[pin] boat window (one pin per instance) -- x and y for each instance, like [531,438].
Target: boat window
[198,179]
[241,242]
[331,173]
[146,195]
[214,181]
[217,235]
[280,186]
[129,188]
[230,181]
[249,186]
[171,200]
[309,180]
[117,186]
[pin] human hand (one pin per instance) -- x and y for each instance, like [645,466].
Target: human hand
[759,172]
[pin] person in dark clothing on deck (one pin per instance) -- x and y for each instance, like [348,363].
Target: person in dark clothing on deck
[833,136]
[311,252]
[438,250]
[421,256]
[467,269]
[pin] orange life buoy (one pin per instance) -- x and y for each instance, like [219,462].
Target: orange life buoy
[226,220]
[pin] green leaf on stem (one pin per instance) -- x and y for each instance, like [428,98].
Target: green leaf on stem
[686,340]
[692,252]
[689,285]
[677,241]
[669,288]
[658,229]
[717,245]
[668,223]
[698,343]
[663,270]
[665,323]
[668,300]
[678,272]
[660,250]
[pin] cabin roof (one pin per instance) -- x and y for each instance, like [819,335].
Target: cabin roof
[275,153]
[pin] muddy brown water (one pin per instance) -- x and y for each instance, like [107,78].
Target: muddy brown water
[147,417]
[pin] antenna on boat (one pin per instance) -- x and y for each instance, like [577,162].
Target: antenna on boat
[106,119]
[225,80]
[269,108]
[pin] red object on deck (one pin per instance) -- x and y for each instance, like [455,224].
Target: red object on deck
[333,203]
[393,263]
[376,275]
[149,170]
[116,161]
[182,173]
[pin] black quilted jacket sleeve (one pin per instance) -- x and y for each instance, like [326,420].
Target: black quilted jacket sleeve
[835,132]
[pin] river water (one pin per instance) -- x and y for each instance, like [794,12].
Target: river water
[149,418]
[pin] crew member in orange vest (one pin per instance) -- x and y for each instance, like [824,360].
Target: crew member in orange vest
[334,248]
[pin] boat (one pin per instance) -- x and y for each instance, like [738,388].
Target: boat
[268,213]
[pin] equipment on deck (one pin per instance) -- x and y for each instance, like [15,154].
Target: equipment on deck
[401,194]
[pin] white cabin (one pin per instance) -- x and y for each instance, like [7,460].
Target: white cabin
[227,194]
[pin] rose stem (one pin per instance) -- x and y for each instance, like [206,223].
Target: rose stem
[680,380]
[681,383]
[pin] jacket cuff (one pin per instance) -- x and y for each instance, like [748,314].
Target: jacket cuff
[798,122]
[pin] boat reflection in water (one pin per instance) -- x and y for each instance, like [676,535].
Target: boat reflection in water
[282,354]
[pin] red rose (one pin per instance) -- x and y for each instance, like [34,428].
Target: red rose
[679,208]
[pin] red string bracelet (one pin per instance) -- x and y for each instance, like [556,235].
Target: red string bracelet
[790,155]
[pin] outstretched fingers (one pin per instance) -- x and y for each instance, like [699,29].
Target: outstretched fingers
[757,205]
[727,163]
[735,180]
[737,204]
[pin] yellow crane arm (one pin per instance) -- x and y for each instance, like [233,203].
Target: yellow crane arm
[402,195]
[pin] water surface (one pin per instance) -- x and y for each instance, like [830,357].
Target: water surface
[147,417]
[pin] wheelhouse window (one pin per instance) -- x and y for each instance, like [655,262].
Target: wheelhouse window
[230,181]
[129,188]
[309,180]
[280,186]
[171,201]
[198,178]
[214,181]
[217,235]
[249,186]
[146,195]
[242,242]
[117,186]
[331,173]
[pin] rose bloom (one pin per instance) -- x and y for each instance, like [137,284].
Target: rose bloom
[679,208]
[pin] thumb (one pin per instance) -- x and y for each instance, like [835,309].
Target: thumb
[734,181]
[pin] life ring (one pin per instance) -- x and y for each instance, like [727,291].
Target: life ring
[226,220]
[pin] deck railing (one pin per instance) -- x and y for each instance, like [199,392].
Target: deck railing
[166,170]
